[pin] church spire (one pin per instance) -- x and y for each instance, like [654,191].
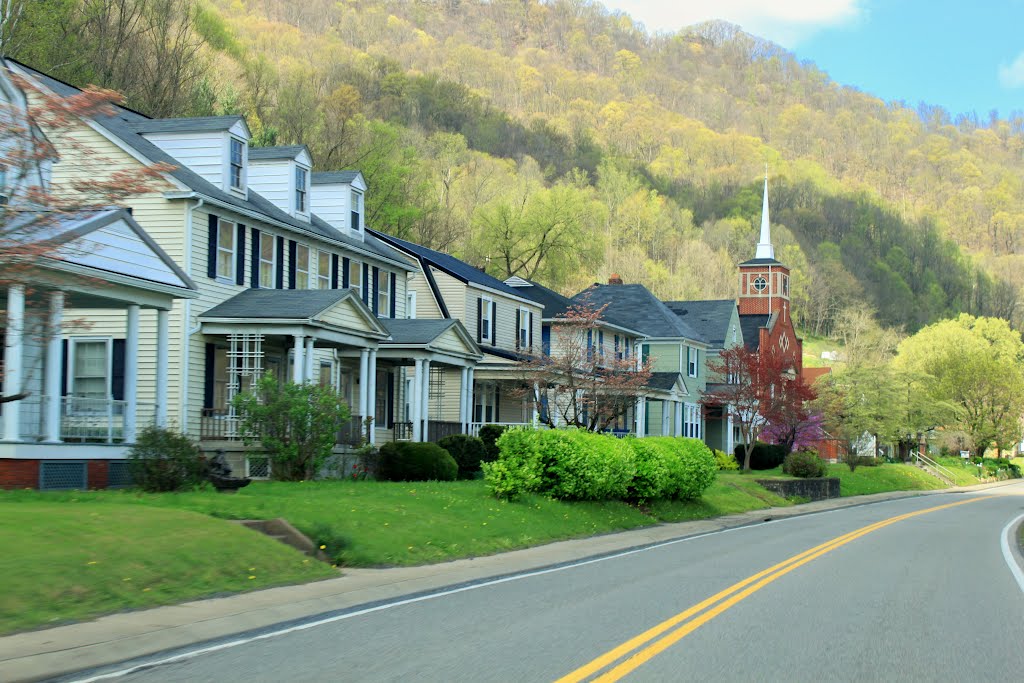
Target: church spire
[764,245]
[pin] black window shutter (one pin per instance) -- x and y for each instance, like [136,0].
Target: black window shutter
[240,255]
[292,251]
[117,370]
[211,350]
[391,400]
[519,324]
[254,273]
[280,262]
[344,272]
[366,284]
[376,288]
[211,248]
[530,332]
[479,321]
[63,368]
[497,403]
[334,271]
[394,295]
[494,323]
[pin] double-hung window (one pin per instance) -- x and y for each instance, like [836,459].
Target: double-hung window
[691,361]
[301,190]
[357,211]
[225,249]
[323,269]
[301,267]
[355,276]
[384,294]
[487,320]
[90,375]
[268,261]
[525,318]
[237,168]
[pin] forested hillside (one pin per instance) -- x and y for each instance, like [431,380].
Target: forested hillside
[557,141]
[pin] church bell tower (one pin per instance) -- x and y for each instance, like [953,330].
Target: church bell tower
[764,282]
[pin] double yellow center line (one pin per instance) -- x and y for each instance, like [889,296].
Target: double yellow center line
[672,630]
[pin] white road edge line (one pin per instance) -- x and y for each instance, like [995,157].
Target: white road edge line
[1011,561]
[421,598]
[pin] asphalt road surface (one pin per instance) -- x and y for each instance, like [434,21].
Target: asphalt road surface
[916,589]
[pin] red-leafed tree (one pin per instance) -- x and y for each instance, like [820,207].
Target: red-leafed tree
[763,390]
[578,383]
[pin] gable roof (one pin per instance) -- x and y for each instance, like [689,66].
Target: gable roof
[710,319]
[331,177]
[122,125]
[194,124]
[555,305]
[643,311]
[287,304]
[665,381]
[460,270]
[416,331]
[282,152]
[751,325]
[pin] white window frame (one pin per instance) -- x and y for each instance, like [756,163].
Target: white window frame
[487,313]
[299,272]
[301,189]
[383,294]
[240,165]
[232,250]
[692,361]
[410,304]
[356,207]
[355,268]
[524,327]
[323,275]
[73,343]
[270,282]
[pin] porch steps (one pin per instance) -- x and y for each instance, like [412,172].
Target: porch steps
[280,530]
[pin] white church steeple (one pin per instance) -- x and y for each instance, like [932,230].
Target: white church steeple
[764,245]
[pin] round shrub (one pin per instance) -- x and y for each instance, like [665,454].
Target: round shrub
[725,461]
[692,467]
[518,469]
[468,452]
[409,461]
[804,464]
[654,468]
[165,460]
[764,456]
[490,434]
[581,465]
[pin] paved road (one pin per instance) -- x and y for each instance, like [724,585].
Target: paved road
[925,596]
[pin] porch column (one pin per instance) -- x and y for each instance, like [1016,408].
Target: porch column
[131,373]
[463,399]
[641,410]
[469,397]
[425,401]
[12,360]
[364,381]
[730,446]
[680,406]
[414,401]
[297,361]
[371,393]
[535,415]
[162,350]
[307,365]
[54,363]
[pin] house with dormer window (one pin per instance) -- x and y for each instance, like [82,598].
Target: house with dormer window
[282,287]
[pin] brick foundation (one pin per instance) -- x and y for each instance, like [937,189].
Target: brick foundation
[19,474]
[97,471]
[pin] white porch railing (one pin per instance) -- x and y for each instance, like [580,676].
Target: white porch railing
[474,427]
[82,420]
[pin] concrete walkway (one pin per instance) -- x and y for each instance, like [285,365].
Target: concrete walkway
[38,655]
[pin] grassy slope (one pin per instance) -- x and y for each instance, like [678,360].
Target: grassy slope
[68,562]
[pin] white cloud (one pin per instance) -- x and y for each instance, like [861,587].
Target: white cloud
[1011,76]
[786,22]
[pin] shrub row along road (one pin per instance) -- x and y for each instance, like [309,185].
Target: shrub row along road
[915,589]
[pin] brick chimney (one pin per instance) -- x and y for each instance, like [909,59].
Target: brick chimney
[615,279]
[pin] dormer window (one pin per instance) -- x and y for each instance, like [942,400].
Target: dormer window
[237,168]
[357,211]
[301,190]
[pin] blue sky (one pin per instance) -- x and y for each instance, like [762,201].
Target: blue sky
[964,56]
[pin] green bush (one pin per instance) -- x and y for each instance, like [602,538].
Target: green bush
[692,469]
[165,460]
[654,468]
[725,462]
[853,461]
[804,464]
[490,434]
[519,468]
[410,461]
[468,452]
[764,456]
[582,465]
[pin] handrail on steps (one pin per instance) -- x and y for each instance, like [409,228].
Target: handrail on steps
[941,471]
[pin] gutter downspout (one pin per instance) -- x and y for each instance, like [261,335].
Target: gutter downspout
[186,333]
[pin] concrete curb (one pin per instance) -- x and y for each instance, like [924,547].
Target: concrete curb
[44,654]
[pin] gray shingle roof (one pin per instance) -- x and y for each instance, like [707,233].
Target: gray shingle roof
[329,177]
[710,319]
[195,124]
[636,306]
[285,304]
[283,152]
[416,331]
[555,305]
[751,326]
[122,124]
[761,262]
[665,381]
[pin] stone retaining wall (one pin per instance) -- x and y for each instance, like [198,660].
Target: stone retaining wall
[819,488]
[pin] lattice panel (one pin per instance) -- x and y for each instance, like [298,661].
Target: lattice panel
[257,467]
[436,392]
[119,474]
[59,475]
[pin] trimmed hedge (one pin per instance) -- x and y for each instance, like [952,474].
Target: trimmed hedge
[570,464]
[468,452]
[764,456]
[410,461]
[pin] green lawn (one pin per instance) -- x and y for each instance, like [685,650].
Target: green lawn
[965,473]
[731,493]
[64,562]
[878,479]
